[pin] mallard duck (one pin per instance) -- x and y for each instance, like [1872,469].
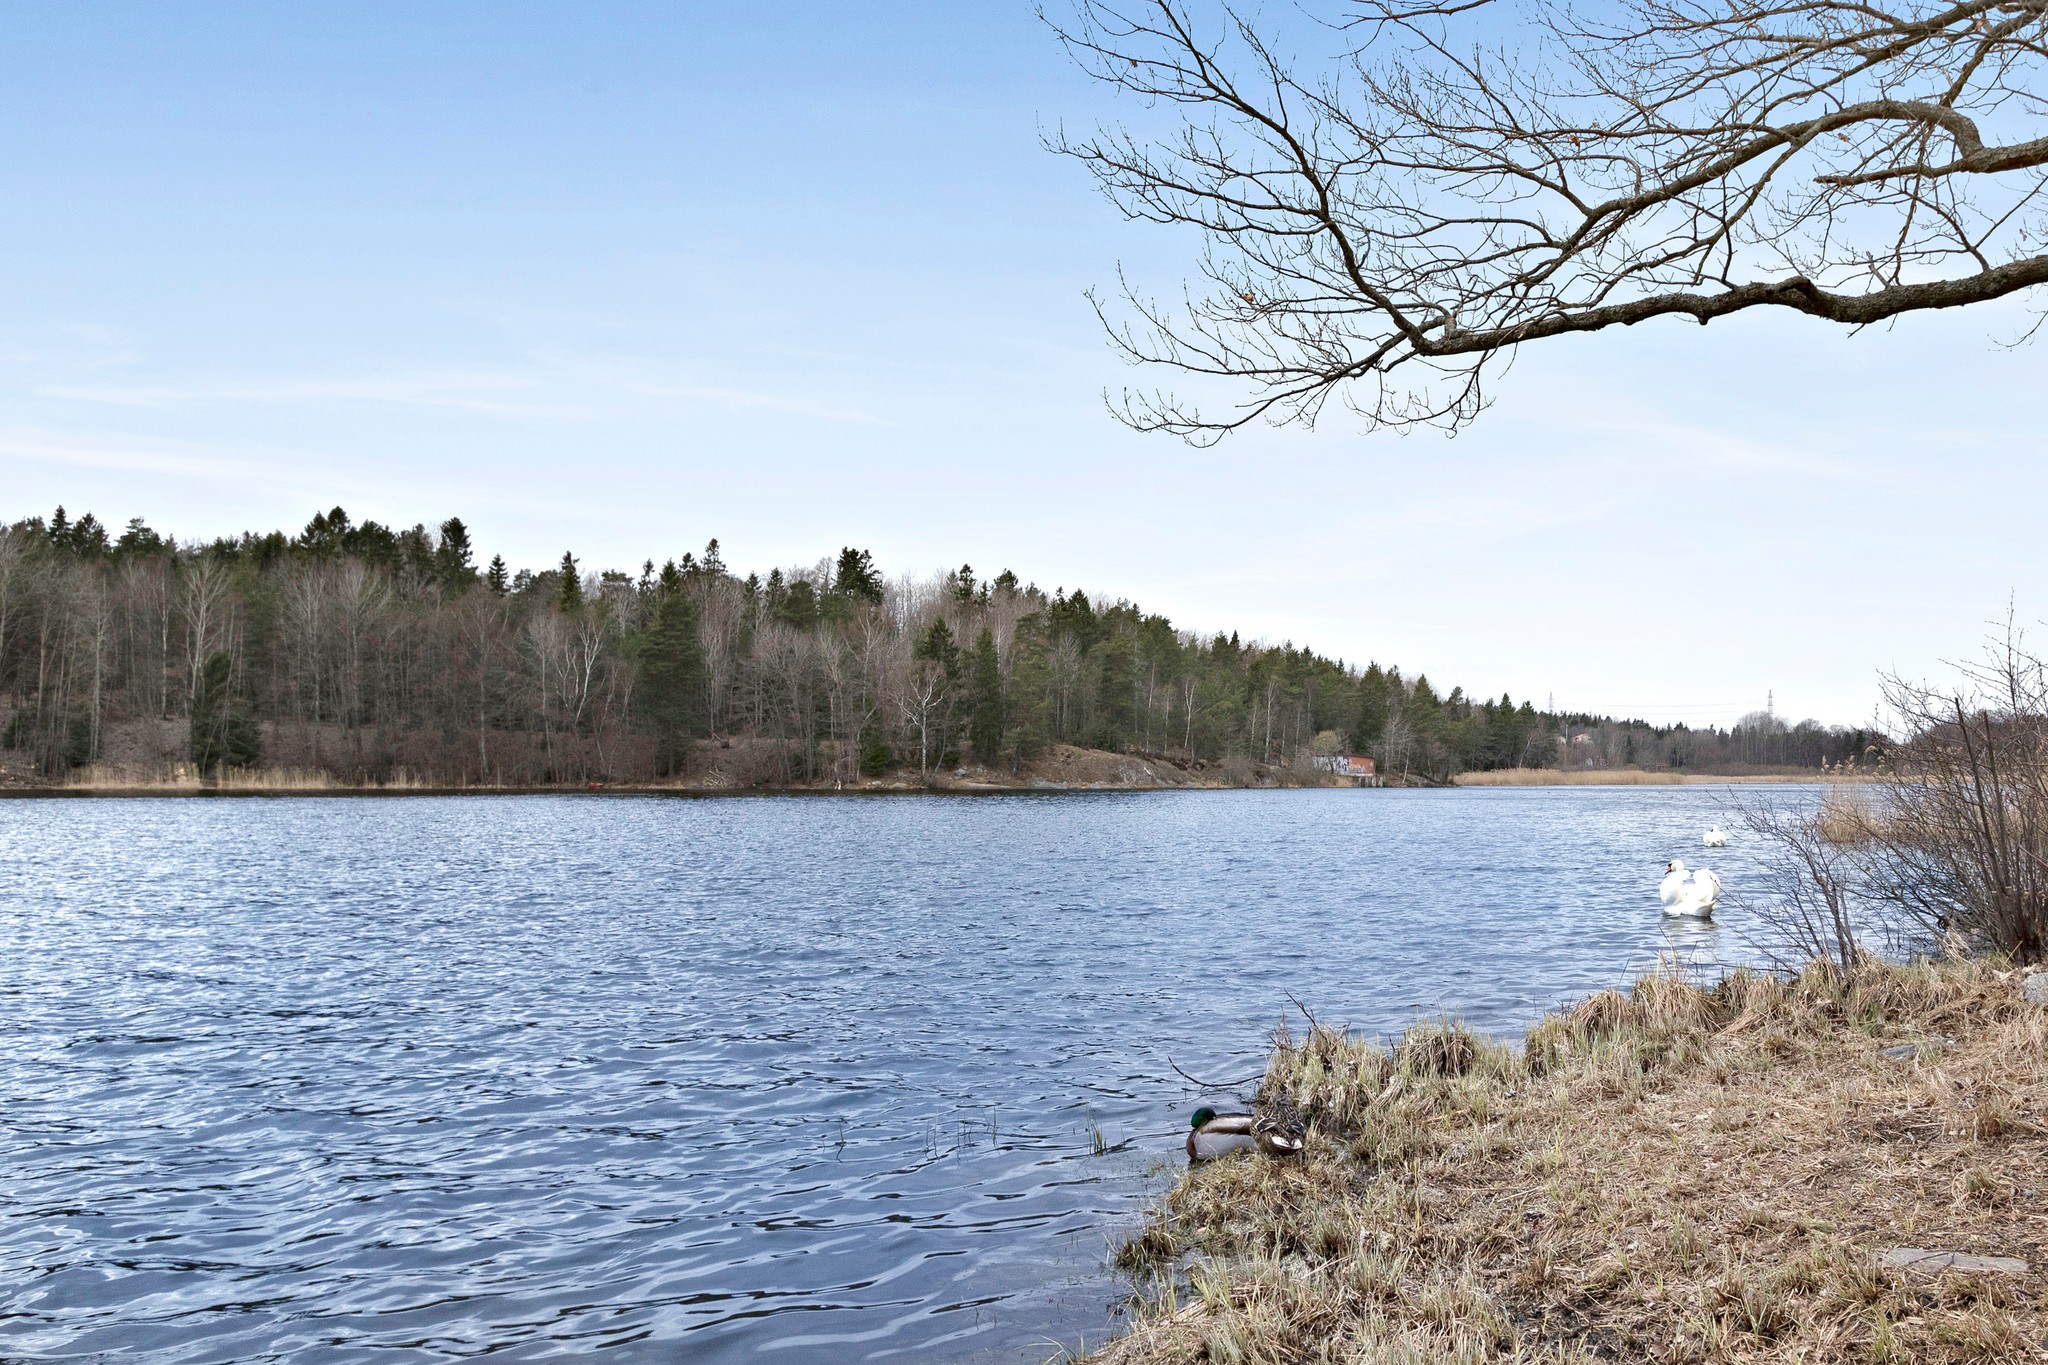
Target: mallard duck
[1211,1135]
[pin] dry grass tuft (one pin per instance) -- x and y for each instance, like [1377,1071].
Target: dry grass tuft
[1440,1048]
[1671,1175]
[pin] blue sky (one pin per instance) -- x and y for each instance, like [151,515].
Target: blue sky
[618,278]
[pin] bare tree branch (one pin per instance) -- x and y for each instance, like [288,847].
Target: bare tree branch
[1384,221]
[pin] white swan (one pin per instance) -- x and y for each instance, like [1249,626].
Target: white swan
[1691,894]
[1714,837]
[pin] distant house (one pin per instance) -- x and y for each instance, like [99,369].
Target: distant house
[1349,765]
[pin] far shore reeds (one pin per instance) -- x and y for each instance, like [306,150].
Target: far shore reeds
[1638,777]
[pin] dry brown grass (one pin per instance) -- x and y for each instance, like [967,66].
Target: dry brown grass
[1622,777]
[107,777]
[1669,1174]
[1848,816]
[185,778]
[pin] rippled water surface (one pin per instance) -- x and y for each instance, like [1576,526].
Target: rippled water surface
[794,1079]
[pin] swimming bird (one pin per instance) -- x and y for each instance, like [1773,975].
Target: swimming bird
[1714,837]
[1691,894]
[1211,1135]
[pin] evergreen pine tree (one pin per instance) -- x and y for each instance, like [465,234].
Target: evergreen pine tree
[138,538]
[454,558]
[495,576]
[800,605]
[1115,692]
[937,647]
[874,750]
[222,731]
[1029,704]
[1371,720]
[1423,712]
[986,725]
[856,575]
[671,692]
[937,644]
[571,598]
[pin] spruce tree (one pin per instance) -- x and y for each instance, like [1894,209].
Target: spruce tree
[937,647]
[1115,692]
[222,732]
[671,692]
[571,598]
[986,726]
[495,576]
[800,605]
[1029,704]
[1423,712]
[875,756]
[856,575]
[1370,722]
[454,559]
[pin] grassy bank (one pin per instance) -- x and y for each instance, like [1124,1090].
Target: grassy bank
[1669,1175]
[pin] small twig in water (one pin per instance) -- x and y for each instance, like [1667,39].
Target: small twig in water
[1313,1022]
[1213,1085]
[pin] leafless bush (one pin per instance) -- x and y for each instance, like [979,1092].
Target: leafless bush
[1811,885]
[1963,845]
[1949,847]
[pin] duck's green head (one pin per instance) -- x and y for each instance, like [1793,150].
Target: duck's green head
[1202,1116]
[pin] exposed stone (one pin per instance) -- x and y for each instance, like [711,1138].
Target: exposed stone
[1923,1262]
[2035,988]
[1900,1052]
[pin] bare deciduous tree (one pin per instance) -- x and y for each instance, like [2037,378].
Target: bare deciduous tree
[1384,221]
[203,602]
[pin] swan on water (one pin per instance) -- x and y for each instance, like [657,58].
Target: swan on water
[1691,894]
[1714,837]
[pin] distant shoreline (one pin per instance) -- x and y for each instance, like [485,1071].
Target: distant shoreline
[1637,777]
[291,785]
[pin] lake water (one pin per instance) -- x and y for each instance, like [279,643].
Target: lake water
[788,1079]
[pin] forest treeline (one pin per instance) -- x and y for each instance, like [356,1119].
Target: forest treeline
[364,651]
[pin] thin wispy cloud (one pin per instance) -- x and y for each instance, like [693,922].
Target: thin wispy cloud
[490,394]
[127,454]
[770,402]
[1582,414]
[466,393]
